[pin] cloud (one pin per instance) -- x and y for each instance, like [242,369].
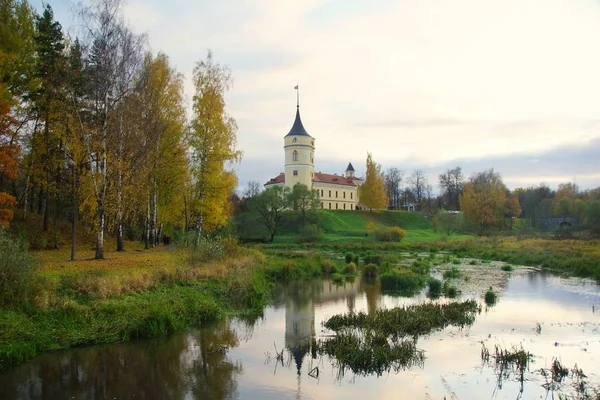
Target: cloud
[417,83]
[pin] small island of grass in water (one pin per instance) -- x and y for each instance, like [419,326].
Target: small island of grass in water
[386,340]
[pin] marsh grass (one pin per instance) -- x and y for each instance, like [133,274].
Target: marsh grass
[452,273]
[386,340]
[490,297]
[411,321]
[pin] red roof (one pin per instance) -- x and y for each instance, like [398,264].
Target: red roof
[278,179]
[320,178]
[333,179]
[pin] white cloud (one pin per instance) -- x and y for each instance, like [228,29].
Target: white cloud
[412,81]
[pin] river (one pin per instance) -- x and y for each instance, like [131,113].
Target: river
[548,316]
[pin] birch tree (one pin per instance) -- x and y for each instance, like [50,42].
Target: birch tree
[213,144]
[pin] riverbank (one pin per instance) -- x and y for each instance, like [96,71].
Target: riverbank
[147,293]
[135,294]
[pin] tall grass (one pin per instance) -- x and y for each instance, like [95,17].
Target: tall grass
[16,271]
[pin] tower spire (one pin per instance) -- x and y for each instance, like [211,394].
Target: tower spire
[297,87]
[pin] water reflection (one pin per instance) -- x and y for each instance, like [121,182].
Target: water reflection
[194,365]
[228,360]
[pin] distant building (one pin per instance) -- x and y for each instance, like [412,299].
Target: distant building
[336,192]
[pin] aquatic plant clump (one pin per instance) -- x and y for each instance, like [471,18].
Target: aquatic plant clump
[411,321]
[490,297]
[372,353]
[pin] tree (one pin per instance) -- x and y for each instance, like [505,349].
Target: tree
[393,180]
[513,208]
[271,204]
[111,65]
[451,185]
[484,198]
[213,142]
[447,222]
[303,200]
[252,189]
[372,192]
[48,99]
[418,185]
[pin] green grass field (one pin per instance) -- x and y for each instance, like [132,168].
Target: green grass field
[344,226]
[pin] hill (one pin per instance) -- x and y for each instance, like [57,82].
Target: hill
[339,225]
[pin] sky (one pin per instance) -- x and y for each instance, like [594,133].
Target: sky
[512,85]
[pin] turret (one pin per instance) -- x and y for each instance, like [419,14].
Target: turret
[299,149]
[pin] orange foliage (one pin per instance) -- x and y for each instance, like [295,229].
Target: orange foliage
[8,151]
[6,203]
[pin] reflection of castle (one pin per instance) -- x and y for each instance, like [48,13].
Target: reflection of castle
[301,299]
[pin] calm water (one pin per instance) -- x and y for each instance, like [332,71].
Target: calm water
[236,359]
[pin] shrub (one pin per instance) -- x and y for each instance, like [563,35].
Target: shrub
[337,278]
[449,290]
[402,281]
[16,270]
[434,287]
[311,233]
[372,259]
[328,267]
[370,271]
[349,257]
[507,268]
[350,268]
[394,234]
[207,249]
[452,273]
[490,297]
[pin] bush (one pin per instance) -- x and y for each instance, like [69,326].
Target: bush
[452,273]
[507,268]
[311,233]
[207,249]
[449,290]
[16,270]
[349,257]
[350,268]
[394,234]
[490,297]
[434,287]
[402,281]
[372,259]
[328,267]
[370,271]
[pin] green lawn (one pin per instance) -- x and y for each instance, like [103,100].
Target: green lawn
[342,226]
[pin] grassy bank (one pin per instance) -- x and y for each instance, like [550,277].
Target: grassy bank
[128,295]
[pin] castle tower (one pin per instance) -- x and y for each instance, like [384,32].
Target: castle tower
[350,171]
[299,149]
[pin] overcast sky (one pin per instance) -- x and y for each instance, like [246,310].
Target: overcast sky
[430,84]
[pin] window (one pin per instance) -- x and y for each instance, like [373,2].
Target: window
[295,155]
[322,205]
[321,192]
[336,194]
[330,193]
[295,140]
[330,206]
[295,172]
[344,194]
[344,206]
[351,206]
[311,158]
[350,195]
[336,206]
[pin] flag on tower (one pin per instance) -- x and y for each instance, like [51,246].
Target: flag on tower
[296,87]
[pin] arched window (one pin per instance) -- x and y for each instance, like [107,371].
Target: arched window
[294,140]
[295,155]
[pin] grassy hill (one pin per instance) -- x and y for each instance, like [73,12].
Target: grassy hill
[339,225]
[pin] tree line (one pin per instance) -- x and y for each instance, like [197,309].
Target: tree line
[93,129]
[483,199]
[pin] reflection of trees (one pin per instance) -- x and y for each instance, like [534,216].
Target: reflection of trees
[175,368]
[212,373]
